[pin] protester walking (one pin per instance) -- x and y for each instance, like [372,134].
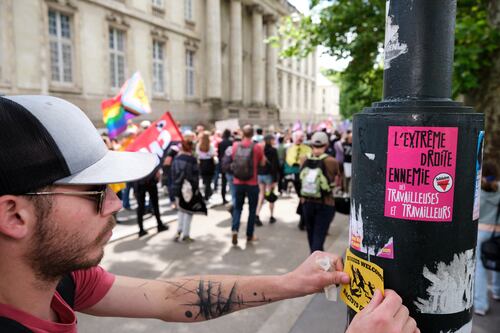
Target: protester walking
[223,145]
[172,151]
[267,178]
[247,156]
[317,181]
[295,154]
[205,152]
[149,185]
[489,222]
[185,188]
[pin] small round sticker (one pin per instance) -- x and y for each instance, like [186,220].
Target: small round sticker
[443,182]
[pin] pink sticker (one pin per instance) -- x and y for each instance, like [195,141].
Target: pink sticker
[420,177]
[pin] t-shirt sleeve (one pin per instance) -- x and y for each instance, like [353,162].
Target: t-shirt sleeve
[259,153]
[91,285]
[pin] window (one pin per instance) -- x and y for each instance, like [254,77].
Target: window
[158,67]
[188,10]
[157,3]
[189,73]
[61,57]
[116,57]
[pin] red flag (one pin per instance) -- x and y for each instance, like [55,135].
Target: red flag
[157,137]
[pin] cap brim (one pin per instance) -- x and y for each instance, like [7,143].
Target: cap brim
[115,167]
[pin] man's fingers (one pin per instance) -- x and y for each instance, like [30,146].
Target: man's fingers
[410,326]
[391,303]
[340,278]
[376,300]
[401,317]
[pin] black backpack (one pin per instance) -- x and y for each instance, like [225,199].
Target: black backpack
[242,165]
[490,249]
[65,288]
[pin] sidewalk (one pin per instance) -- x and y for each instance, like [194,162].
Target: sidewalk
[127,219]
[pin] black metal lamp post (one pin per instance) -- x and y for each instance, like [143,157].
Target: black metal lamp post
[416,159]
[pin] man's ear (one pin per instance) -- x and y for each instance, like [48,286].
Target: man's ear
[14,215]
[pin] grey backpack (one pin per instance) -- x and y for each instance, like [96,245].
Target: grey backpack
[242,165]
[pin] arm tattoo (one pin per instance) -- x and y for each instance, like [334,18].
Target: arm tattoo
[210,301]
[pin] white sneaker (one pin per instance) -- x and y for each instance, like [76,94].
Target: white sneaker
[495,297]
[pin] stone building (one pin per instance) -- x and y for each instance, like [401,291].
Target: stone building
[203,60]
[327,100]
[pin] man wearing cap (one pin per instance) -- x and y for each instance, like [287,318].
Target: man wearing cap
[56,216]
[318,204]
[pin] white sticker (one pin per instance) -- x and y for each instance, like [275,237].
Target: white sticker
[393,47]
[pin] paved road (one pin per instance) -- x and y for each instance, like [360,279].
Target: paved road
[281,248]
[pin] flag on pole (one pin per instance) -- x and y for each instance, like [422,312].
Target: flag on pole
[157,137]
[130,102]
[133,97]
[114,116]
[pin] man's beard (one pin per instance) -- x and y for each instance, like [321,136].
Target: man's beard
[54,253]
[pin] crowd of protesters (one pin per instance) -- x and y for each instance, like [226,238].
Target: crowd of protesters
[253,163]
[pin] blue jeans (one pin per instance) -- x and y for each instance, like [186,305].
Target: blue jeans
[317,218]
[481,283]
[126,196]
[252,191]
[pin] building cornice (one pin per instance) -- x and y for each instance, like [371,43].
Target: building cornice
[122,9]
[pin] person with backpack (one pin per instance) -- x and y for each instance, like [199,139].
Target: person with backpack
[185,188]
[267,178]
[56,216]
[317,177]
[489,223]
[247,156]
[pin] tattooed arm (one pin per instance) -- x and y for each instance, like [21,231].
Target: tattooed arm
[200,298]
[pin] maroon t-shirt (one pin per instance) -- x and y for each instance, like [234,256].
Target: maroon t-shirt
[258,155]
[91,285]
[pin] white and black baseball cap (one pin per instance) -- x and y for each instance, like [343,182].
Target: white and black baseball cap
[46,140]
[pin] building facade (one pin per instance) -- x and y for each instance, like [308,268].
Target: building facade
[327,100]
[203,60]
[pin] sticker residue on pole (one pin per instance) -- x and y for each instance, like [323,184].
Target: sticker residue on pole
[420,178]
[356,236]
[451,285]
[366,277]
[393,47]
[479,167]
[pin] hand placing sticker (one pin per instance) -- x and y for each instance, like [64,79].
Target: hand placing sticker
[331,290]
[382,315]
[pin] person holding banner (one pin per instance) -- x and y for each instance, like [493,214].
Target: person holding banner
[56,215]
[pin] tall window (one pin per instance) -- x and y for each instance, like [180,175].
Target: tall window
[116,57]
[158,67]
[188,10]
[189,73]
[60,47]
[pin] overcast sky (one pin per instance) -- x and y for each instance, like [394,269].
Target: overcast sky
[324,61]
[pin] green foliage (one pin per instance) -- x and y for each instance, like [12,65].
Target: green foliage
[475,43]
[354,30]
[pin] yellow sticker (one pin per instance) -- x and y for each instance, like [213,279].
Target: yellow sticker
[366,277]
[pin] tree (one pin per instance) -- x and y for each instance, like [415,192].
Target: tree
[354,30]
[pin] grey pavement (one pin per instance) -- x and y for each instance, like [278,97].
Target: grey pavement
[280,249]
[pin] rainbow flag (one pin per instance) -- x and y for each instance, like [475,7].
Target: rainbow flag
[114,116]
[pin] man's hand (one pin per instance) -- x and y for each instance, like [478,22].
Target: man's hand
[310,278]
[384,315]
